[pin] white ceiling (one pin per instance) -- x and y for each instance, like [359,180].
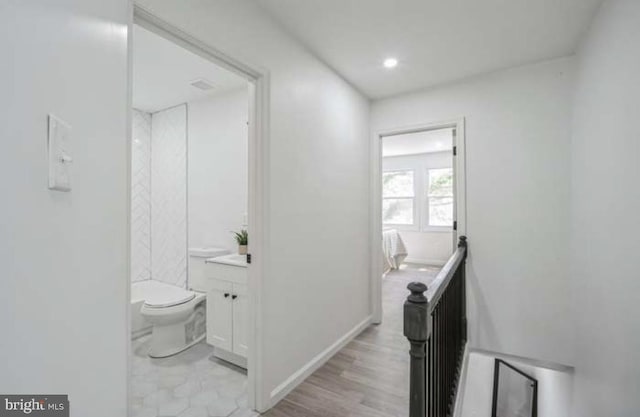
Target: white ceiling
[416,143]
[435,41]
[163,70]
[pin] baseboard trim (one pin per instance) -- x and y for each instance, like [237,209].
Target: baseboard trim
[434,262]
[233,358]
[303,373]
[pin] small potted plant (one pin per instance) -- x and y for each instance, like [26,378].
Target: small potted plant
[242,237]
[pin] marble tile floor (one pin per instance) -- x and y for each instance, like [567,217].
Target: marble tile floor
[189,384]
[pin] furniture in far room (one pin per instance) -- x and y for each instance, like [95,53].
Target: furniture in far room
[393,250]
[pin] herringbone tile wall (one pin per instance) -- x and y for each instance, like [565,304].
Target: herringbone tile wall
[169,196]
[141,197]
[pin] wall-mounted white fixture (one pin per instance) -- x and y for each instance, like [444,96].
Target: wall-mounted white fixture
[390,63]
[202,84]
[60,160]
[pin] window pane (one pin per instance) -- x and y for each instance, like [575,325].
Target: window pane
[440,211]
[441,182]
[397,184]
[397,211]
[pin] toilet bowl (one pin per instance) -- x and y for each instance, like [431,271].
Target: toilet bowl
[178,315]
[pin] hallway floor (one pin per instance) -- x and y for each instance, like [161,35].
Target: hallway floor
[370,376]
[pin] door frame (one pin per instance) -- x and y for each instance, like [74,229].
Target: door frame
[460,208]
[258,191]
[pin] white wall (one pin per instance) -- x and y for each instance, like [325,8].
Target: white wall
[517,138]
[218,168]
[316,286]
[605,204]
[431,248]
[169,195]
[424,247]
[141,196]
[64,255]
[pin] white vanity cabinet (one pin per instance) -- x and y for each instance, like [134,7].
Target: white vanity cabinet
[220,315]
[227,310]
[240,321]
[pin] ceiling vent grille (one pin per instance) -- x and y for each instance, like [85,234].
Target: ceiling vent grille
[202,84]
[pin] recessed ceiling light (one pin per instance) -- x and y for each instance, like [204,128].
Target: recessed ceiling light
[390,63]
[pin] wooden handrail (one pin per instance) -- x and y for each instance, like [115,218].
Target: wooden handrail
[440,283]
[436,326]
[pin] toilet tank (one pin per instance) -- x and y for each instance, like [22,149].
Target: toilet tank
[197,257]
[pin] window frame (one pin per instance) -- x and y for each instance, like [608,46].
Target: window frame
[416,215]
[426,218]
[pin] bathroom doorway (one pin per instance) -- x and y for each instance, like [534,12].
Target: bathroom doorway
[195,262]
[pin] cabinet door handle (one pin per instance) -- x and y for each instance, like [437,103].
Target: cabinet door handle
[233,297]
[226,295]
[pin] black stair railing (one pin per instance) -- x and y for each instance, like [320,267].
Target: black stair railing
[435,324]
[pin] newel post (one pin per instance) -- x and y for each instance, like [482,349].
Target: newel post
[462,242]
[416,329]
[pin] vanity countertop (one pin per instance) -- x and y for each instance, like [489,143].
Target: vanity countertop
[232,260]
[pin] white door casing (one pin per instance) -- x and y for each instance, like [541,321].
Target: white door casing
[460,213]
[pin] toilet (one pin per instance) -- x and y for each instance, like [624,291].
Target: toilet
[178,315]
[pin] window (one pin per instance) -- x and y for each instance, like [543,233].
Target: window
[440,197]
[398,198]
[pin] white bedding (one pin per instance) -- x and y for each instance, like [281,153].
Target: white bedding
[393,250]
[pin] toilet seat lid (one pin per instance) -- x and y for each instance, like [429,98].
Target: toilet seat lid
[167,296]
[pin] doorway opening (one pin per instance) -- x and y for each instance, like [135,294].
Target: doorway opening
[418,203]
[197,154]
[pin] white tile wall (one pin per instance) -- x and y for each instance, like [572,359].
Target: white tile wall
[141,197]
[169,196]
